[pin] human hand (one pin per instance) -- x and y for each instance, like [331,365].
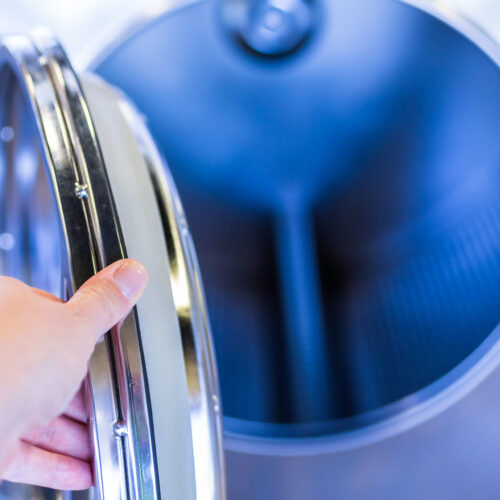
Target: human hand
[45,346]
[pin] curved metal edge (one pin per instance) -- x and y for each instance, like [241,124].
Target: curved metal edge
[389,420]
[92,240]
[101,48]
[456,384]
[25,61]
[123,429]
[104,45]
[187,289]
[461,23]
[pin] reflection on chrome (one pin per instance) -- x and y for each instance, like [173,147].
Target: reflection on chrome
[189,301]
[54,181]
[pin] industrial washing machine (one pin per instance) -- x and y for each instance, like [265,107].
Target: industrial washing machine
[339,164]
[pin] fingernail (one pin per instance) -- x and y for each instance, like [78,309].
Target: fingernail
[131,278]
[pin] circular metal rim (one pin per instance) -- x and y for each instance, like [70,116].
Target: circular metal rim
[93,239]
[91,232]
[199,357]
[393,418]
[101,48]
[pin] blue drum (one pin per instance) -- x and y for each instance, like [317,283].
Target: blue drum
[339,165]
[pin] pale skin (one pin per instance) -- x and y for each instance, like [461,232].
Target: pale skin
[45,346]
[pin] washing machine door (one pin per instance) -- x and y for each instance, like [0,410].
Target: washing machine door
[339,164]
[83,185]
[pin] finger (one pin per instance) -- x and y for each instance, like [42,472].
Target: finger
[77,408]
[62,435]
[107,297]
[32,465]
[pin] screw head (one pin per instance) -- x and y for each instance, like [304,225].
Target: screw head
[81,190]
[120,429]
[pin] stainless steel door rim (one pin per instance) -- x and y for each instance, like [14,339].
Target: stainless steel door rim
[157,367]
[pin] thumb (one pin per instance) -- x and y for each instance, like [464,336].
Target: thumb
[106,298]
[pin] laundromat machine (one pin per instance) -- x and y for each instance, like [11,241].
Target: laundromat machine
[338,163]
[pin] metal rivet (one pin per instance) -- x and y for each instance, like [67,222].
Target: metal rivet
[81,190]
[215,400]
[120,429]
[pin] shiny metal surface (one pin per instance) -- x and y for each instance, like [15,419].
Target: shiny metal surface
[201,372]
[44,109]
[377,144]
[91,239]
[124,457]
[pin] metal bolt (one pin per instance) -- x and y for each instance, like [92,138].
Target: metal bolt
[81,190]
[120,429]
[215,400]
